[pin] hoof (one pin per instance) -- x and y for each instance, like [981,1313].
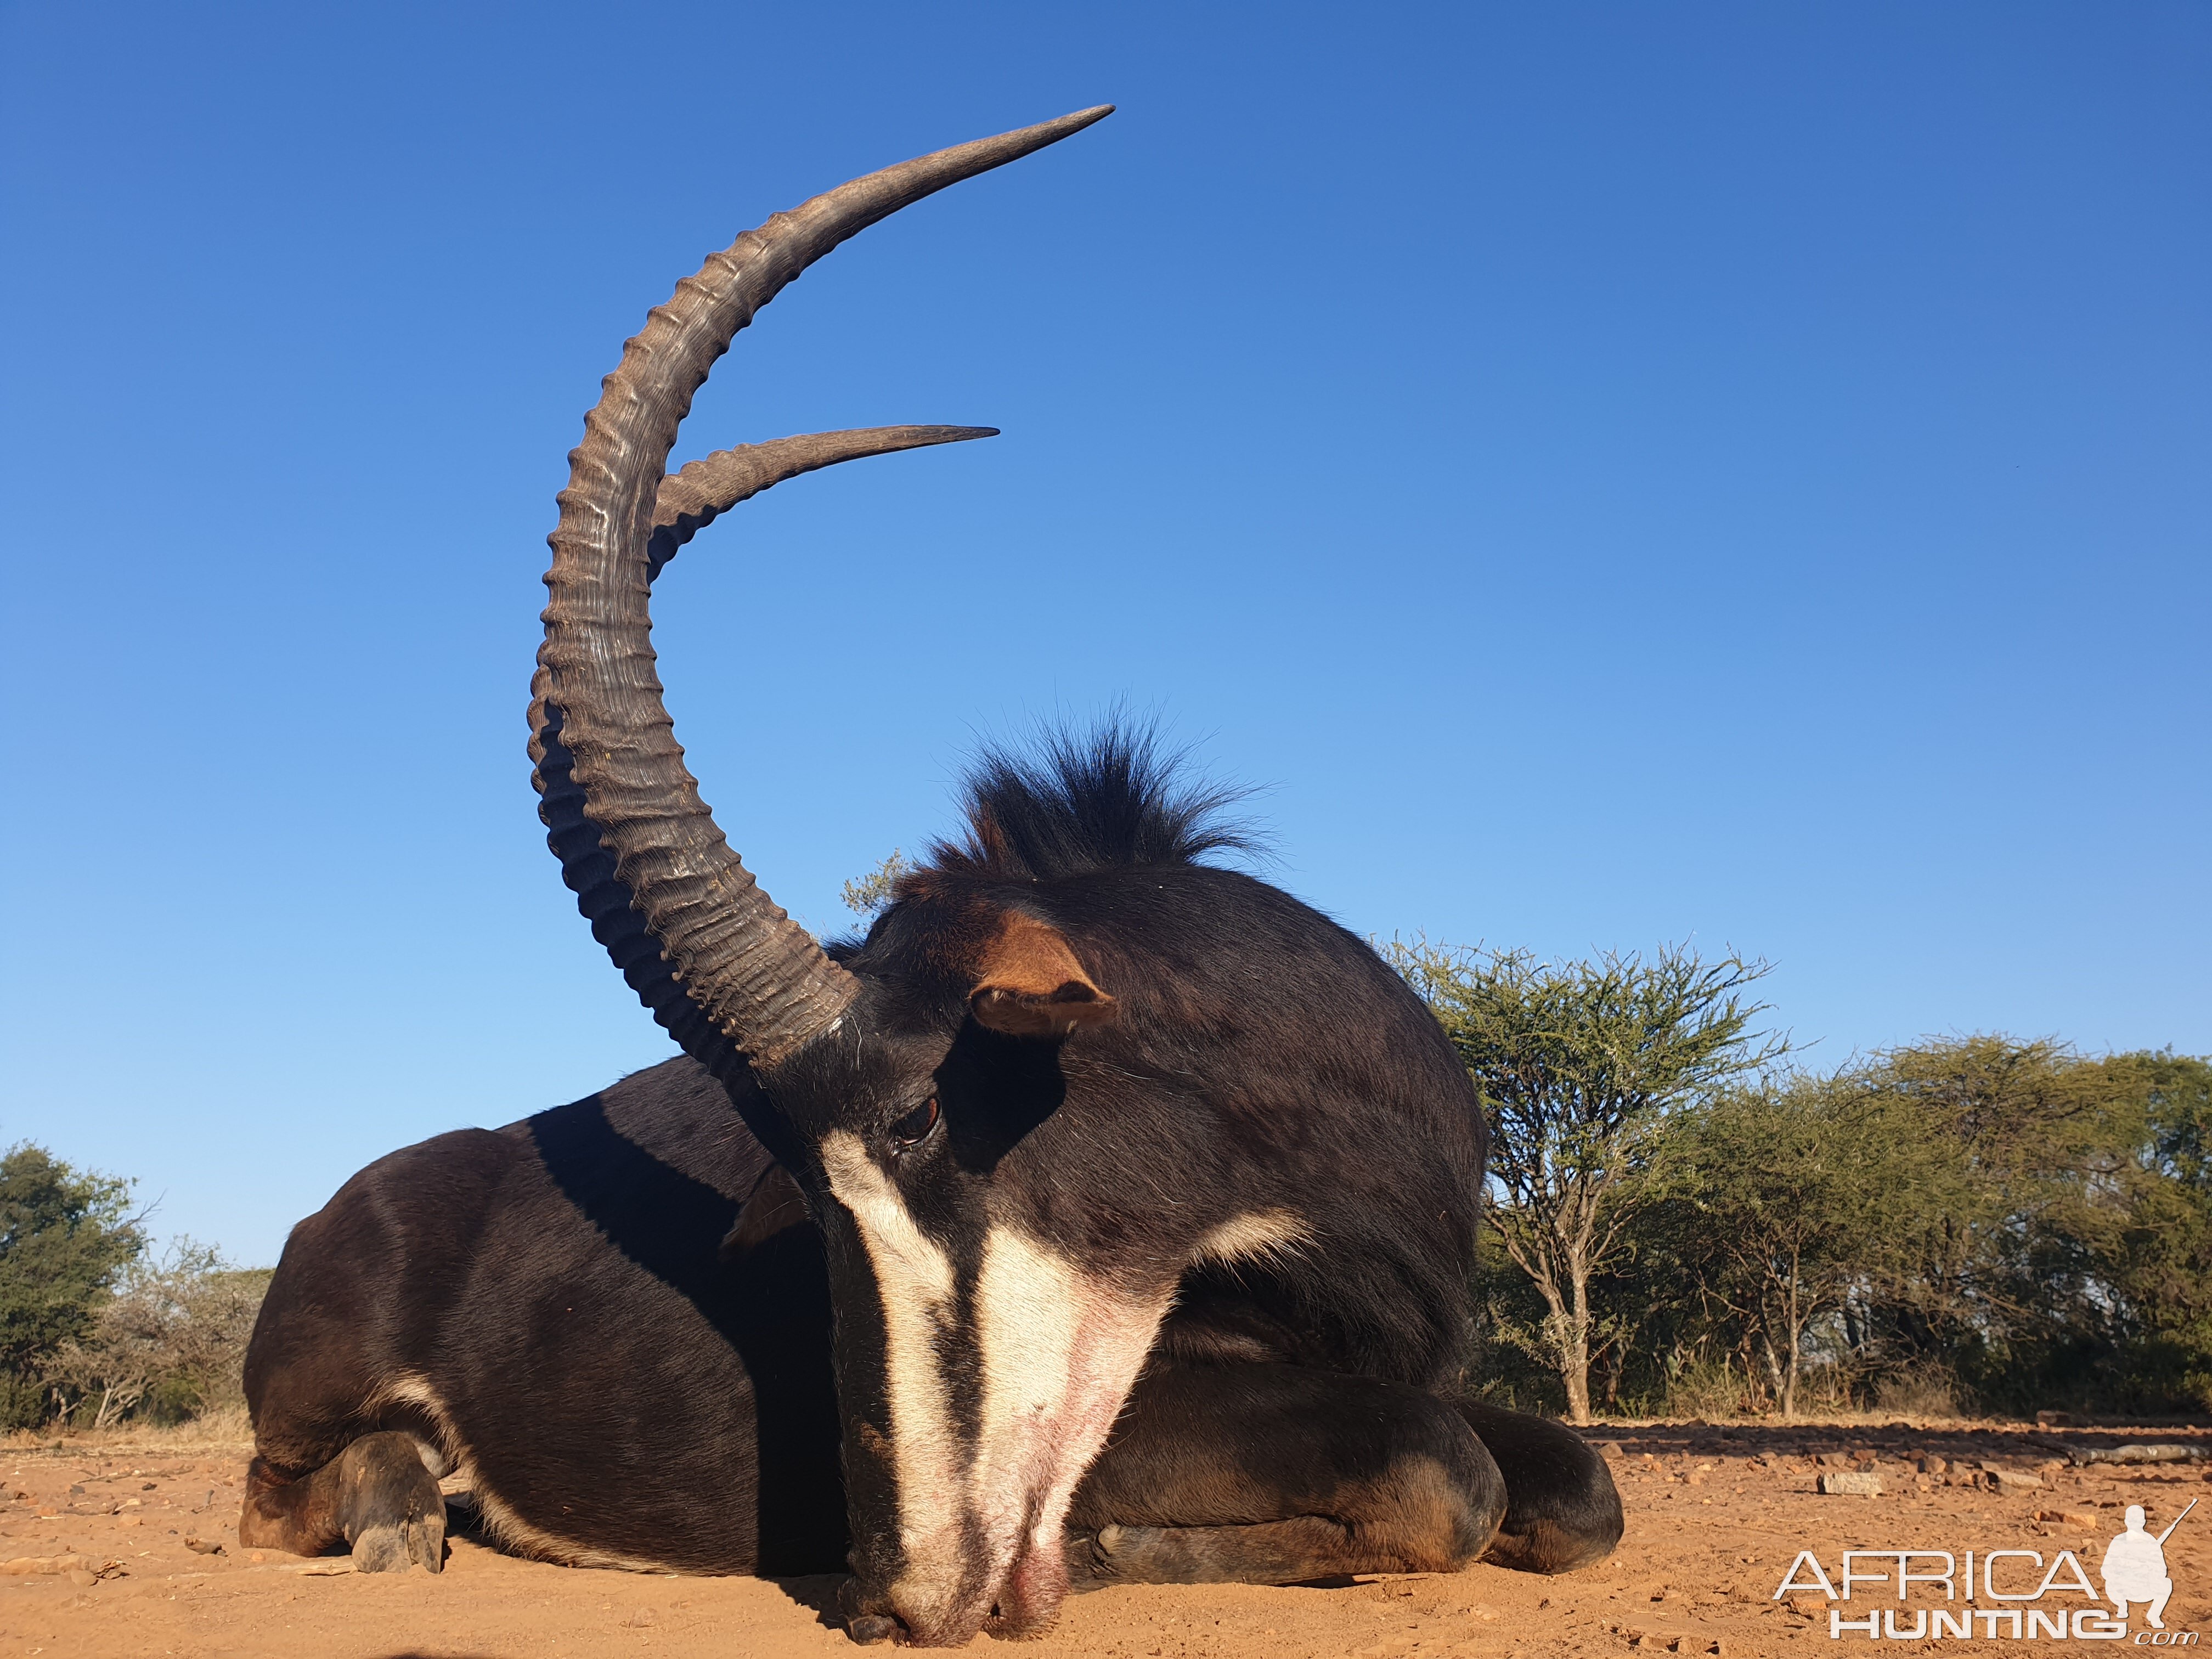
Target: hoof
[1086,1570]
[394,1548]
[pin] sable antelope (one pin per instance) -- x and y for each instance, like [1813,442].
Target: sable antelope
[1104,1216]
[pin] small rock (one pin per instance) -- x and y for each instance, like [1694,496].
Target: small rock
[2169,1453]
[204,1546]
[2013,1481]
[84,1578]
[1611,1448]
[1854,1483]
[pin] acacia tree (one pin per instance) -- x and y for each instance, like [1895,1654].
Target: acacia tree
[1579,1064]
[2023,1285]
[1795,1192]
[2163,1271]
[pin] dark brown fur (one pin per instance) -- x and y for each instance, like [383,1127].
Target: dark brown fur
[623,1308]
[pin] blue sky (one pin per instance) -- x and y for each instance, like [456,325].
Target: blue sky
[1614,474]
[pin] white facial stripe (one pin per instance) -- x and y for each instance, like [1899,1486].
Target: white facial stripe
[914,1278]
[1058,1350]
[885,1220]
[1061,1350]
[1261,1232]
[1027,1311]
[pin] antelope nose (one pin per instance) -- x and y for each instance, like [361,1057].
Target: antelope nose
[868,1628]
[868,1619]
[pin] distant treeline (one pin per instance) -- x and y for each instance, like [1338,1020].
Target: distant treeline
[95,1328]
[1685,1224]
[1682,1221]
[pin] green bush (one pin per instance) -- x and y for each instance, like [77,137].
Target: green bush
[64,1235]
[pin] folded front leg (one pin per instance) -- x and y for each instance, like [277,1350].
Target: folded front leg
[1274,1474]
[1562,1509]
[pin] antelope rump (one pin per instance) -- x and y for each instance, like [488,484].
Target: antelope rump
[1105,1215]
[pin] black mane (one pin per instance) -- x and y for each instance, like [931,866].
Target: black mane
[1071,805]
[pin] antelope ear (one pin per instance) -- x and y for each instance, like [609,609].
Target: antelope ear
[774,1205]
[1029,984]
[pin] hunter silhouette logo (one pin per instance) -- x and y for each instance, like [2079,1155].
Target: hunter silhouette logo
[1999,1593]
[2135,1567]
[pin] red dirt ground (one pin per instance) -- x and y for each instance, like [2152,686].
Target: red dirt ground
[1715,1515]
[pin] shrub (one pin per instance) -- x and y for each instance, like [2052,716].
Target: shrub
[170,1342]
[64,1235]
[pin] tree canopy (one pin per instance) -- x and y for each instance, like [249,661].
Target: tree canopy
[1579,1065]
[1688,1223]
[64,1237]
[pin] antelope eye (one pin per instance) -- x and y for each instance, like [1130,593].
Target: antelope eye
[914,1128]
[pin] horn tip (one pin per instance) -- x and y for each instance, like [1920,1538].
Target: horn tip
[1076,121]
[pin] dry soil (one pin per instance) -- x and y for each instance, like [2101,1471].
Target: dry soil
[97,1560]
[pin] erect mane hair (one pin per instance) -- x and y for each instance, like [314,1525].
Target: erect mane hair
[1070,805]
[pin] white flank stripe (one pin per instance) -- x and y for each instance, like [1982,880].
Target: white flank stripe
[501,1522]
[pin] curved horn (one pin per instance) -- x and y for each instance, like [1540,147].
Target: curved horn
[717,961]
[705,489]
